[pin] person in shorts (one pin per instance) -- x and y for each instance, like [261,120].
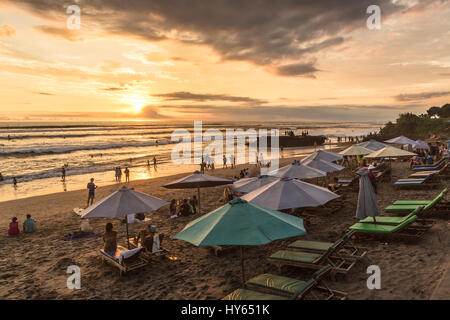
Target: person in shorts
[91,194]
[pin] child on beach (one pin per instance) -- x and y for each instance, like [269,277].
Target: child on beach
[110,239]
[13,228]
[127,174]
[29,225]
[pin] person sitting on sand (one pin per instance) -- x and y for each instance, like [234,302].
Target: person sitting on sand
[13,228]
[194,203]
[110,239]
[29,225]
[173,208]
[185,209]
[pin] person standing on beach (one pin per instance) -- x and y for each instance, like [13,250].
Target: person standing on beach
[154,162]
[15,182]
[224,162]
[232,161]
[91,195]
[127,174]
[63,174]
[119,173]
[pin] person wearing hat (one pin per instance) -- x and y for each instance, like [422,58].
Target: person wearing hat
[372,177]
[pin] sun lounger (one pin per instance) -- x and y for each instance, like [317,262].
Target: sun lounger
[267,286]
[435,166]
[394,221]
[434,205]
[310,260]
[415,183]
[403,230]
[346,249]
[125,260]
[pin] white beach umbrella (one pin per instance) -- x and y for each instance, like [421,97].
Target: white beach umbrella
[421,145]
[297,171]
[325,156]
[388,152]
[372,145]
[322,165]
[367,205]
[401,140]
[122,203]
[247,185]
[290,193]
[355,150]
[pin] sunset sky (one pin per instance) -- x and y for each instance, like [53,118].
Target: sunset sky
[222,60]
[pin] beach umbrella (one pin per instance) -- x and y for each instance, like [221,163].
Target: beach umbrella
[325,156]
[372,145]
[355,150]
[390,152]
[401,140]
[367,205]
[322,165]
[290,193]
[420,144]
[297,171]
[241,223]
[247,185]
[197,180]
[122,203]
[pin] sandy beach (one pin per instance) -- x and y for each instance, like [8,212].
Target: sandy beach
[34,266]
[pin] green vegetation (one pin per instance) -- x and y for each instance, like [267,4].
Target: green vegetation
[436,121]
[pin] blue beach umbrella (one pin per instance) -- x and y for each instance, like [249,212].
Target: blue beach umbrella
[241,223]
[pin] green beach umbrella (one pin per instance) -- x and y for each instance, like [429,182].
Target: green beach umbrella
[241,223]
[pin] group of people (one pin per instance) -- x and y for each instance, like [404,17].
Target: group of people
[29,226]
[183,208]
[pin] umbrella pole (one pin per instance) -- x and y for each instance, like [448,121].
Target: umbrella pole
[128,238]
[242,265]
[198,192]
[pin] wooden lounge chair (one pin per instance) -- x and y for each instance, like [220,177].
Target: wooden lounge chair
[308,260]
[436,205]
[266,286]
[404,230]
[125,264]
[346,249]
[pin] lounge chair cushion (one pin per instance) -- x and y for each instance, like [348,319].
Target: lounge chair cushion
[381,228]
[311,245]
[243,294]
[412,202]
[397,208]
[301,257]
[283,285]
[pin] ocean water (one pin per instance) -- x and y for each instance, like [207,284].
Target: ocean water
[34,153]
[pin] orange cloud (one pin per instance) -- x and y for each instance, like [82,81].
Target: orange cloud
[7,31]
